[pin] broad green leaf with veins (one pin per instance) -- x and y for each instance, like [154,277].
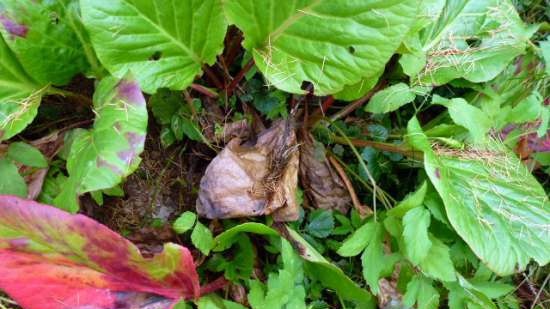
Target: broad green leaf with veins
[473,39]
[100,158]
[46,39]
[20,95]
[494,204]
[492,201]
[330,43]
[164,43]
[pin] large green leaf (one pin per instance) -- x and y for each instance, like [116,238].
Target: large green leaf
[19,95]
[495,205]
[492,201]
[330,43]
[45,39]
[163,43]
[102,157]
[473,39]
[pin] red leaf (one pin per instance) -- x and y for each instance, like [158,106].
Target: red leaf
[50,259]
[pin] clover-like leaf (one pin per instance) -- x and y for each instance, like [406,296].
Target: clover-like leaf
[331,44]
[52,259]
[100,158]
[163,43]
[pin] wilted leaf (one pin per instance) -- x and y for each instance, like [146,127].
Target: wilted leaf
[100,158]
[166,42]
[253,178]
[43,37]
[330,44]
[20,95]
[320,181]
[52,259]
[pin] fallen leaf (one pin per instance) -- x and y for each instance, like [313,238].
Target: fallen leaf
[320,181]
[253,178]
[50,259]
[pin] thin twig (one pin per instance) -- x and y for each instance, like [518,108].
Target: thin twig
[363,210]
[409,152]
[213,78]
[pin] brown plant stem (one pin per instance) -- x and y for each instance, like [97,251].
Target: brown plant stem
[363,210]
[409,152]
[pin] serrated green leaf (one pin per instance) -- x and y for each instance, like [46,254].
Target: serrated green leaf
[412,200]
[20,95]
[390,99]
[100,158]
[495,204]
[438,264]
[321,223]
[184,222]
[468,116]
[357,241]
[373,259]
[332,44]
[11,183]
[528,109]
[284,289]
[27,155]
[163,43]
[415,233]
[421,292]
[202,238]
[473,39]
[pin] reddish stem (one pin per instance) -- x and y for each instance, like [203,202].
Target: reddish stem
[213,286]
[235,82]
[320,112]
[212,77]
[203,90]
[355,105]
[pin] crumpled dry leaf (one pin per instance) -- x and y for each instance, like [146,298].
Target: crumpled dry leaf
[253,178]
[320,181]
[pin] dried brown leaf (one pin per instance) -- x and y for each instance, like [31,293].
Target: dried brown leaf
[253,178]
[321,182]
